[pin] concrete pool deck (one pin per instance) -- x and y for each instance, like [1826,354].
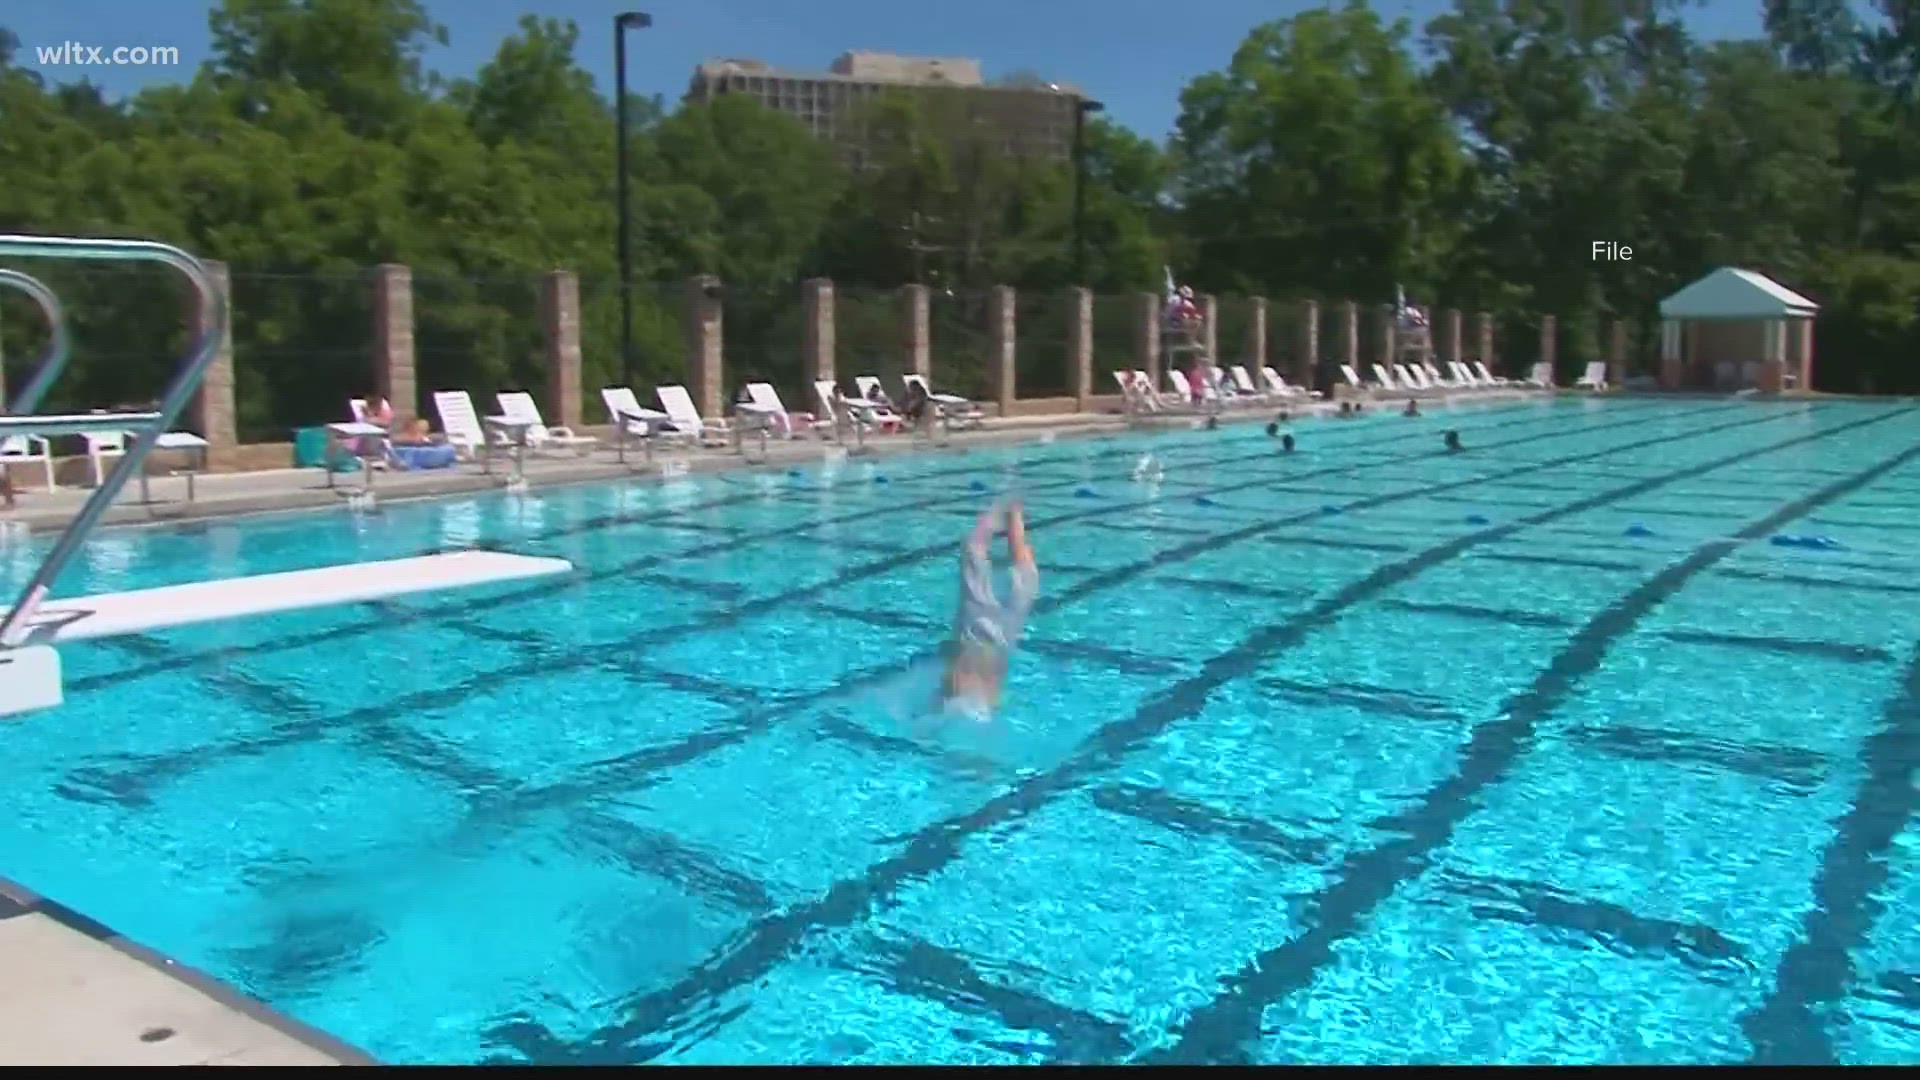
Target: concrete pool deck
[220,495]
[75,993]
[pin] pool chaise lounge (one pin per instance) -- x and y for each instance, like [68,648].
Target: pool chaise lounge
[518,407]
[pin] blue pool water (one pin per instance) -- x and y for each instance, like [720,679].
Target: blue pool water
[1364,754]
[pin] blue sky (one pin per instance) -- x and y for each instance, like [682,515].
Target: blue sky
[1133,54]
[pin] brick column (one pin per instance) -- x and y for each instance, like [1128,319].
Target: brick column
[213,402]
[916,334]
[1004,341]
[1080,347]
[1617,352]
[1450,336]
[1484,332]
[1256,344]
[818,297]
[560,323]
[1350,334]
[393,362]
[1306,362]
[1389,336]
[705,338]
[1210,326]
[1550,345]
[1146,336]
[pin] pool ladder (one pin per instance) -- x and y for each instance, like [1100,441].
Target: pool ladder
[146,427]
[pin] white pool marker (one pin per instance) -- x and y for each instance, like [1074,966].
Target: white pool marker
[1046,438]
[362,502]
[673,467]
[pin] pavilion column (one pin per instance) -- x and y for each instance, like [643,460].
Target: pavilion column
[1805,335]
[1672,362]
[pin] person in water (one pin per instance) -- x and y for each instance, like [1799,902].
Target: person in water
[1412,409]
[986,627]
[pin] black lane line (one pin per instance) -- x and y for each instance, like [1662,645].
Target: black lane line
[1818,971]
[642,767]
[864,516]
[768,942]
[128,779]
[1226,1028]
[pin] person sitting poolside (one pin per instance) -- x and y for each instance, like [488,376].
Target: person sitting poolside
[919,407]
[985,627]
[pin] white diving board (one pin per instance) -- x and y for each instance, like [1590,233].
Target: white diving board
[114,614]
[30,677]
[76,423]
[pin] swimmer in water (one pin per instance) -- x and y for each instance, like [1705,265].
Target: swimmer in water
[1412,409]
[986,627]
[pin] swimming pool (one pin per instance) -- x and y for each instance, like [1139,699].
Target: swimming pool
[1540,752]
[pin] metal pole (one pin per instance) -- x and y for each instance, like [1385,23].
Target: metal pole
[211,309]
[623,241]
[1081,107]
[52,361]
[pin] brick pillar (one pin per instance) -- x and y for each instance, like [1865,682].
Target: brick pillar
[1350,334]
[1617,352]
[213,403]
[1256,344]
[1550,345]
[1210,326]
[560,320]
[705,339]
[1306,362]
[1483,326]
[1146,336]
[393,363]
[916,335]
[1451,338]
[1080,347]
[1004,341]
[1389,336]
[818,298]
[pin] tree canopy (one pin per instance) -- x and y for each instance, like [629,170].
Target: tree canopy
[1336,153]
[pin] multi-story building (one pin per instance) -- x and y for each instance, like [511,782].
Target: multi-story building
[1029,117]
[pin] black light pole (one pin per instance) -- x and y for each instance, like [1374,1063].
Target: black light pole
[623,245]
[1081,107]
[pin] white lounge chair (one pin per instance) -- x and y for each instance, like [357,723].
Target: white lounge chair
[1488,377]
[768,399]
[682,415]
[102,445]
[858,413]
[956,409]
[881,409]
[519,407]
[26,450]
[1595,378]
[1353,380]
[461,423]
[630,419]
[1436,380]
[1541,376]
[1463,377]
[1285,389]
[1249,389]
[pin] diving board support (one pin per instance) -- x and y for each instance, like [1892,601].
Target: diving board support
[210,322]
[30,673]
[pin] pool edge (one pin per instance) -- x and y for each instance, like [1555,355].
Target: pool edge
[17,901]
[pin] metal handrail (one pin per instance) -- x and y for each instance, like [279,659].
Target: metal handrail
[211,312]
[59,346]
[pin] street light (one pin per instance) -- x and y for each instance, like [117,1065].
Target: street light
[629,20]
[1081,107]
